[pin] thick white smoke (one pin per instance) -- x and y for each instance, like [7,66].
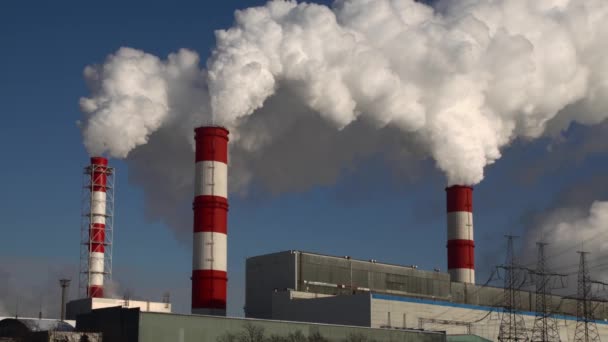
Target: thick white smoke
[571,229]
[456,83]
[134,94]
[464,81]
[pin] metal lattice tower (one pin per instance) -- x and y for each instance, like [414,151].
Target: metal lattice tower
[97,227]
[586,329]
[512,325]
[545,325]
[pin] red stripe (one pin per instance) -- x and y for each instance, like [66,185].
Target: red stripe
[97,237]
[209,289]
[99,176]
[210,214]
[211,144]
[461,254]
[459,198]
[95,291]
[99,161]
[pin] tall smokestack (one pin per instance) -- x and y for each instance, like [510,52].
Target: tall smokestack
[64,283]
[98,171]
[209,280]
[461,246]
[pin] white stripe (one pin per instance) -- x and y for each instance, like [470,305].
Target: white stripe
[209,252]
[96,266]
[98,219]
[462,275]
[98,202]
[460,225]
[96,262]
[96,279]
[211,179]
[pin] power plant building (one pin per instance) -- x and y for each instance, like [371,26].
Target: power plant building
[133,325]
[300,286]
[295,295]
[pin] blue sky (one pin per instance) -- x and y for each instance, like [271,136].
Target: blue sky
[370,212]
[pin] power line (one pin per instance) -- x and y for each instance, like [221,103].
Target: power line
[479,288]
[572,246]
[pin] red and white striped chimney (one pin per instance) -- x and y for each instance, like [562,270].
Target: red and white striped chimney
[461,246]
[97,230]
[209,264]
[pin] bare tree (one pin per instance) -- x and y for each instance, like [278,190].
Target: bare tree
[296,336]
[277,338]
[227,337]
[358,338]
[252,333]
[317,337]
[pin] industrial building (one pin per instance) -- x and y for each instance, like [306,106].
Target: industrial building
[133,325]
[130,320]
[300,286]
[295,295]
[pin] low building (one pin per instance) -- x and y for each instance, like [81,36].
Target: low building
[133,325]
[308,287]
[85,305]
[22,327]
[42,330]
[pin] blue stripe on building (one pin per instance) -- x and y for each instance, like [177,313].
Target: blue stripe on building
[465,306]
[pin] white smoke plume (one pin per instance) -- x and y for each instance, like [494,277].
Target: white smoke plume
[465,81]
[568,230]
[135,94]
[457,83]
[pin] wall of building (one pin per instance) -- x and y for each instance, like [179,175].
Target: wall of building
[330,275]
[314,273]
[116,324]
[336,275]
[298,306]
[85,305]
[466,338]
[455,318]
[183,328]
[262,281]
[130,325]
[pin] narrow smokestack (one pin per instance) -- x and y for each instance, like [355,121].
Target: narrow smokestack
[461,246]
[97,231]
[209,280]
[65,284]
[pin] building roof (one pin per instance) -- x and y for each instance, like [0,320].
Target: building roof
[34,324]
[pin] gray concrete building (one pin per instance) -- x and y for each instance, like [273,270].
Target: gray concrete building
[132,325]
[300,286]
